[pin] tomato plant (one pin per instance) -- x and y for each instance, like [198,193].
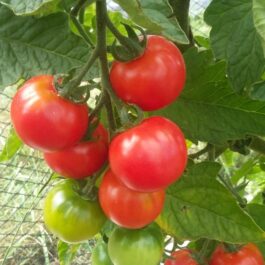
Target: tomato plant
[43,119]
[181,257]
[153,80]
[70,216]
[100,255]
[138,156]
[83,159]
[128,208]
[247,255]
[136,247]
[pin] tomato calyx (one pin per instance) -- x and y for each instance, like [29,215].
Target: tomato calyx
[130,47]
[231,248]
[63,84]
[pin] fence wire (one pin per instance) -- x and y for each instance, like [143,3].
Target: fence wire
[23,237]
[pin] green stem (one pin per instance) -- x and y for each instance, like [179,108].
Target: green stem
[203,251]
[201,152]
[101,16]
[75,10]
[257,144]
[75,82]
[181,12]
[82,31]
[99,105]
[230,187]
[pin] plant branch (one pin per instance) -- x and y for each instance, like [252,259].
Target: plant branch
[101,15]
[75,82]
[227,183]
[82,31]
[201,152]
[257,144]
[181,12]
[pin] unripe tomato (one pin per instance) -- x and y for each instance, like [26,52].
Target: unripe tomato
[136,247]
[149,156]
[181,257]
[128,208]
[247,255]
[100,255]
[83,159]
[153,80]
[43,119]
[69,216]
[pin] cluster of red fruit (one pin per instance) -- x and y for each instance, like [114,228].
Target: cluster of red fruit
[143,160]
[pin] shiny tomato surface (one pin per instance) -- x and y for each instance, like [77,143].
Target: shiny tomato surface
[83,159]
[149,156]
[128,208]
[247,255]
[43,119]
[153,80]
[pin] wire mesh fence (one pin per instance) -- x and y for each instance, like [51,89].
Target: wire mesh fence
[23,237]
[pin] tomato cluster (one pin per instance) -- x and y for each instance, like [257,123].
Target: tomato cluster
[144,159]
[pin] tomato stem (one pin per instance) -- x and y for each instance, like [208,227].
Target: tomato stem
[74,13]
[257,144]
[228,184]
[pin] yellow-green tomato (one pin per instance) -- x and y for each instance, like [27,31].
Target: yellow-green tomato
[136,247]
[100,255]
[69,216]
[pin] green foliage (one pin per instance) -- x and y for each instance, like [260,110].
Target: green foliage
[199,206]
[67,252]
[235,39]
[155,16]
[40,46]
[208,110]
[259,20]
[12,146]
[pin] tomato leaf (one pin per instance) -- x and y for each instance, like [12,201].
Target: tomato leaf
[199,206]
[12,146]
[67,252]
[235,38]
[32,46]
[154,16]
[29,7]
[259,20]
[208,109]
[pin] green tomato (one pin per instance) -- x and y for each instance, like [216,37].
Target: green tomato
[136,247]
[100,255]
[69,216]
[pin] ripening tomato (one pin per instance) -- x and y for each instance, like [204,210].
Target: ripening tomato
[247,255]
[43,119]
[136,246]
[69,216]
[181,257]
[128,208]
[83,159]
[149,156]
[153,80]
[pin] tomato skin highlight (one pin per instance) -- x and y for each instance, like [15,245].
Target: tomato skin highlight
[247,255]
[153,80]
[100,255]
[44,120]
[181,257]
[136,247]
[128,208]
[149,156]
[70,217]
[83,159]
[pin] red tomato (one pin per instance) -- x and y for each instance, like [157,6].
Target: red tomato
[247,255]
[43,119]
[155,79]
[181,257]
[83,159]
[128,208]
[150,156]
